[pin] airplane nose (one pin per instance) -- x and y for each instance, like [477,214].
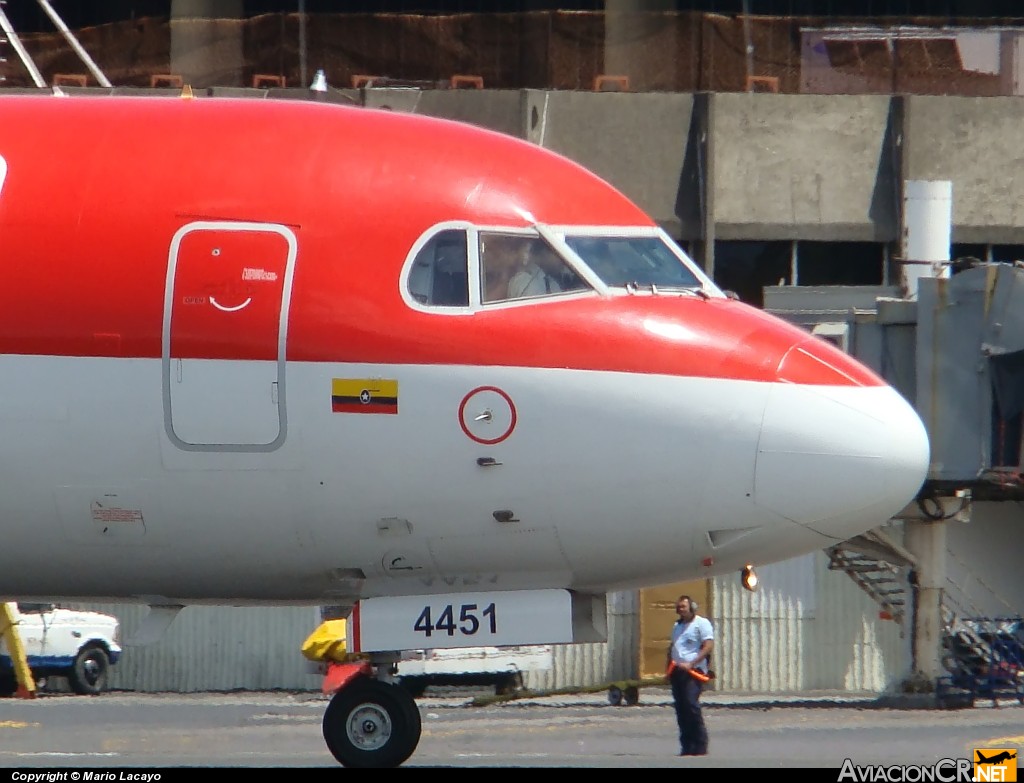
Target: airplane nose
[839,459]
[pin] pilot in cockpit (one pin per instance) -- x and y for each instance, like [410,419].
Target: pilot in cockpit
[500,260]
[515,267]
[537,273]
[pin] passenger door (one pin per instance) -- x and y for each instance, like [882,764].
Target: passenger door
[224,335]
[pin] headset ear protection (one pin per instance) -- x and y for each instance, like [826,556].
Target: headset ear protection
[694,605]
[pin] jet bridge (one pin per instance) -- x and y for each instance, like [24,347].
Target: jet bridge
[957,353]
[971,365]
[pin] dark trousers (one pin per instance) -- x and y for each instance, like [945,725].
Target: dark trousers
[693,736]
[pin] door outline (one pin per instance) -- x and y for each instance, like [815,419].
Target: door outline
[282,333]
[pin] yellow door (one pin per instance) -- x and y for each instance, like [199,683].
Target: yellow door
[658,615]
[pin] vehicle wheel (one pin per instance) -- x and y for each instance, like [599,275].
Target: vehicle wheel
[615,695]
[416,686]
[631,695]
[509,684]
[8,685]
[371,724]
[91,669]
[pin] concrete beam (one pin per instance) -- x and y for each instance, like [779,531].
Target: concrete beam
[639,142]
[805,167]
[974,143]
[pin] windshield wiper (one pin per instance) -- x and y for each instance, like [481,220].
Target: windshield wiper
[698,291]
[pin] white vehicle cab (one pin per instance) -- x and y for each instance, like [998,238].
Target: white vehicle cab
[80,646]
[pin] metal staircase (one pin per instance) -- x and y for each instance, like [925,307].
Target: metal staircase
[972,649]
[965,648]
[874,561]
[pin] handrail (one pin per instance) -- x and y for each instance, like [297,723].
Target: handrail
[23,54]
[55,18]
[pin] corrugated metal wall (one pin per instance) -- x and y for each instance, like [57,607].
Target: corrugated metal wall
[581,665]
[217,648]
[258,648]
[807,628]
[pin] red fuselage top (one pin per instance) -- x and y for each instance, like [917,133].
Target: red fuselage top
[97,187]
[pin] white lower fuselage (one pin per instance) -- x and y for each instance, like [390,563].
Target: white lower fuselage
[610,479]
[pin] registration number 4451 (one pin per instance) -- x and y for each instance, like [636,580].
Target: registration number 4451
[465,619]
[492,618]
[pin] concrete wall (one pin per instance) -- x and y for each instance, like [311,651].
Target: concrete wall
[803,167]
[620,135]
[975,143]
[775,166]
[754,166]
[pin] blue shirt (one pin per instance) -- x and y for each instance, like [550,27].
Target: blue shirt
[687,639]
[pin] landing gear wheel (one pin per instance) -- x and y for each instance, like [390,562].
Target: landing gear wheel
[88,676]
[372,725]
[509,684]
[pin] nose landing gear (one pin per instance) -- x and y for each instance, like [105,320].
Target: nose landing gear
[371,724]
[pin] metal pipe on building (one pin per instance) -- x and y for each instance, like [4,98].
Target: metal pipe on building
[205,49]
[927,219]
[927,216]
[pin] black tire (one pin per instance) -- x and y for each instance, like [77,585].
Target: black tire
[615,695]
[416,686]
[631,695]
[90,672]
[371,724]
[509,684]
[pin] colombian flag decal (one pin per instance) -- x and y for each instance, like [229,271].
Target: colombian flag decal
[364,395]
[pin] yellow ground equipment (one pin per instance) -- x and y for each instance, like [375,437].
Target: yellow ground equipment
[9,633]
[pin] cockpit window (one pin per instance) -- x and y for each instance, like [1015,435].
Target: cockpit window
[633,261]
[517,266]
[438,276]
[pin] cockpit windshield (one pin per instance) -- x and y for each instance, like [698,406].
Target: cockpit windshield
[517,266]
[641,261]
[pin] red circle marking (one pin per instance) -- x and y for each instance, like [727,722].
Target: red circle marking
[462,417]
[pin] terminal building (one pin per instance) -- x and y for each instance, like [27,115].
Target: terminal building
[858,173]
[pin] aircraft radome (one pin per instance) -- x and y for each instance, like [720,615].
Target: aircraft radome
[287,352]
